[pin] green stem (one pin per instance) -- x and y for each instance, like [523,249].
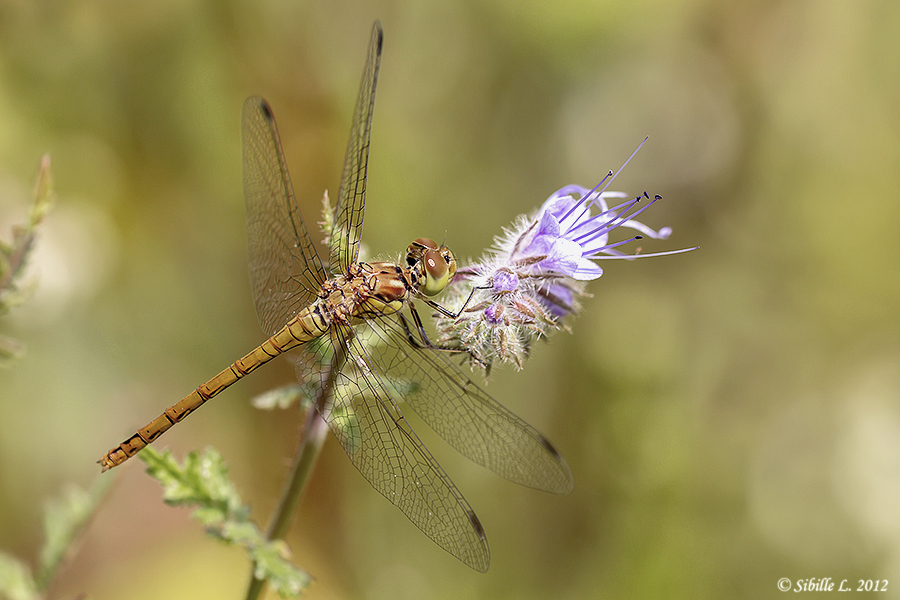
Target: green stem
[313,437]
[314,431]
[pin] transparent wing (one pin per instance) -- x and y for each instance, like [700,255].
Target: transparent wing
[463,414]
[352,198]
[285,271]
[364,416]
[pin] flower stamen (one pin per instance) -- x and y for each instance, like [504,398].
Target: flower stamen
[536,274]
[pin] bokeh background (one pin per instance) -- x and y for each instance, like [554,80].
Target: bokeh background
[732,415]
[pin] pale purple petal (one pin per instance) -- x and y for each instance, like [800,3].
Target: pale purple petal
[586,271]
[563,258]
[558,299]
[548,224]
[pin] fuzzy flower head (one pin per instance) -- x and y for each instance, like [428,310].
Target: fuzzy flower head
[537,271]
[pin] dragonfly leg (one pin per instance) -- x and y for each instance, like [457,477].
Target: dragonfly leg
[421,340]
[447,312]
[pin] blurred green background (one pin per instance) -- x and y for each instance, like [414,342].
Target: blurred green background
[732,415]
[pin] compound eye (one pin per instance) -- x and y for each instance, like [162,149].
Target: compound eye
[416,251]
[437,272]
[440,267]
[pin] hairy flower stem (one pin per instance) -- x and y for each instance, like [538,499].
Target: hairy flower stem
[314,432]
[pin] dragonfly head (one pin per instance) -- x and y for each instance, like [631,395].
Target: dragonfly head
[433,265]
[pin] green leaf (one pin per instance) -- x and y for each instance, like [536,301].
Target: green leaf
[202,482]
[283,397]
[63,519]
[402,387]
[273,565]
[345,425]
[16,582]
[43,194]
[14,256]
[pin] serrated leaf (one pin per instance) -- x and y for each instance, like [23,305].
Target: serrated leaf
[62,520]
[209,515]
[202,481]
[245,533]
[272,565]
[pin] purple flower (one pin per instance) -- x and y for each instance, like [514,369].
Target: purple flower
[536,272]
[569,236]
[504,281]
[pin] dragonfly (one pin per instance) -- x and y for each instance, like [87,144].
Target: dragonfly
[357,330]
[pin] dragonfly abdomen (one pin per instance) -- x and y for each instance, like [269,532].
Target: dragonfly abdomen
[309,324]
[306,326]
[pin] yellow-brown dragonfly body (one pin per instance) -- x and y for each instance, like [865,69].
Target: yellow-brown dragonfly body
[370,289]
[357,332]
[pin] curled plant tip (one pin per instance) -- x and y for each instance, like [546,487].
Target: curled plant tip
[326,225]
[14,256]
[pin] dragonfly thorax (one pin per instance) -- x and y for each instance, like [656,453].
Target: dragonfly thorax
[373,289]
[366,290]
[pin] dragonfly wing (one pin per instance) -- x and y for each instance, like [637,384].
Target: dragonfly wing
[365,418]
[285,271]
[352,198]
[465,415]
